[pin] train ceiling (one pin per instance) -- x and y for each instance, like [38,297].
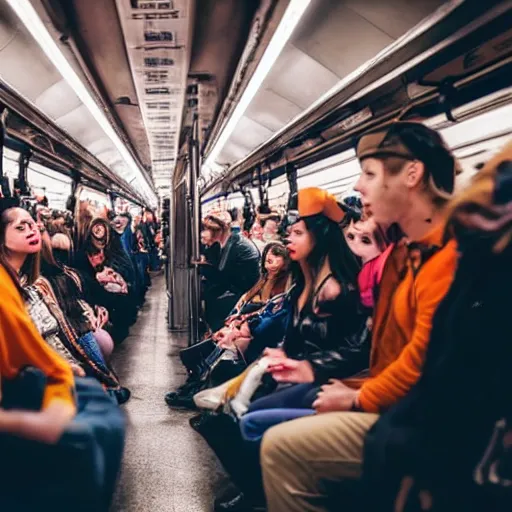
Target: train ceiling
[157,35]
[152,66]
[332,39]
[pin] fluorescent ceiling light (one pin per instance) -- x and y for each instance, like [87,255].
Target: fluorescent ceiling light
[291,18]
[36,27]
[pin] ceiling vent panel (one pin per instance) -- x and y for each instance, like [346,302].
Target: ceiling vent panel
[157,35]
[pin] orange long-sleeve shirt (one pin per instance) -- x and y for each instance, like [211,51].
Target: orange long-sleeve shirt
[22,345]
[403,320]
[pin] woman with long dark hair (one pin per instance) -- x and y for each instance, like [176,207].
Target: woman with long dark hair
[108,276]
[324,298]
[81,326]
[46,413]
[273,282]
[323,327]
[274,269]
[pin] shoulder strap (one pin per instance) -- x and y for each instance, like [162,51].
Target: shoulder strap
[320,286]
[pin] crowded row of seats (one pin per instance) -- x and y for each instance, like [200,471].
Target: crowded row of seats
[364,366]
[71,287]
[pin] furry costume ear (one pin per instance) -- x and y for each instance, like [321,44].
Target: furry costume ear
[486,205]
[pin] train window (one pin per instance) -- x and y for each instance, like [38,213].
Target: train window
[44,181]
[336,174]
[96,199]
[10,163]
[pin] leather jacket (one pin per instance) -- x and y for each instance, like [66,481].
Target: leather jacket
[332,336]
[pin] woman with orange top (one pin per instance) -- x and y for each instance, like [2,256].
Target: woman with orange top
[71,422]
[408,175]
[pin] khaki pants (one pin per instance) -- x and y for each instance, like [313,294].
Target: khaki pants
[301,456]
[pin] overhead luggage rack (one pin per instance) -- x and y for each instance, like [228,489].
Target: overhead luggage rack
[411,75]
[52,147]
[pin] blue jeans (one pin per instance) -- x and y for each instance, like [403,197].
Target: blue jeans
[282,405]
[142,267]
[154,259]
[254,424]
[77,473]
[296,396]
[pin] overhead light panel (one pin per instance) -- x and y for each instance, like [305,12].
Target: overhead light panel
[290,19]
[29,17]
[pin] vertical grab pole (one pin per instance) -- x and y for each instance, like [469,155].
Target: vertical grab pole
[195,169]
[112,197]
[23,162]
[5,188]
[172,258]
[291,176]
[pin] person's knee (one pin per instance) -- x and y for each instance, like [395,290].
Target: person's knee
[277,446]
[105,342]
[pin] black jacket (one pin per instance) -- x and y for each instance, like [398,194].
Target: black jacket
[334,340]
[238,269]
[440,430]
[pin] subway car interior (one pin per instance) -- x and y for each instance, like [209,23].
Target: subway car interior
[255,255]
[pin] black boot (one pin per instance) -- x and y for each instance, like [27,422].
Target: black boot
[239,458]
[183,396]
[122,395]
[238,503]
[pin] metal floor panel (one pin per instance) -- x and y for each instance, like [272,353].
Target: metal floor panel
[167,466]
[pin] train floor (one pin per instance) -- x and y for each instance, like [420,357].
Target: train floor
[167,466]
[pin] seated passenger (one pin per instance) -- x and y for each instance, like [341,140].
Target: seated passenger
[446,443]
[62,248]
[408,175]
[256,236]
[140,251]
[150,227]
[109,276]
[81,326]
[83,438]
[365,239]
[270,224]
[121,225]
[210,254]
[273,282]
[324,300]
[274,277]
[323,328]
[48,297]
[238,270]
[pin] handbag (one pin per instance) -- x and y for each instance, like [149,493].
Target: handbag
[25,391]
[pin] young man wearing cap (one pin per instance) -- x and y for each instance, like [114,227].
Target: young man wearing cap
[407,176]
